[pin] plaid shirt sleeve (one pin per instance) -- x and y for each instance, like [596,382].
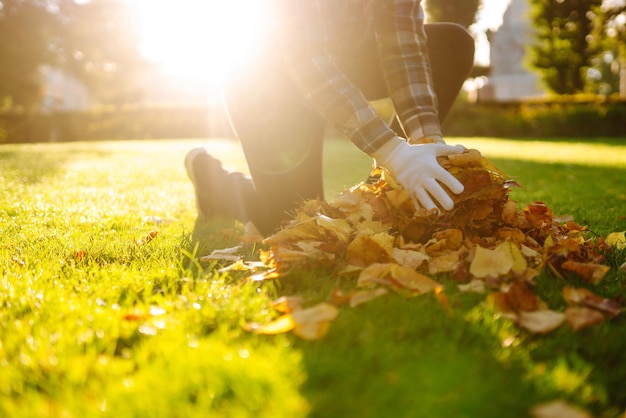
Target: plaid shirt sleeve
[405,62]
[405,65]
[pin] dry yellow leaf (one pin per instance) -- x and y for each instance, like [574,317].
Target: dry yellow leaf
[280,325]
[412,280]
[367,249]
[617,240]
[505,258]
[409,258]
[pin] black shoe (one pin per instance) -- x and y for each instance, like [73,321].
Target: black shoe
[208,178]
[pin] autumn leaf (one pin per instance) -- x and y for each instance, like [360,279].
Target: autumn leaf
[367,249]
[147,238]
[313,323]
[310,323]
[475,286]
[557,409]
[287,304]
[223,254]
[591,272]
[582,296]
[412,280]
[617,240]
[505,258]
[282,324]
[541,321]
[363,296]
[580,317]
[373,236]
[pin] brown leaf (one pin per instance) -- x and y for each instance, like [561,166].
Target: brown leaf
[521,296]
[582,296]
[580,317]
[590,272]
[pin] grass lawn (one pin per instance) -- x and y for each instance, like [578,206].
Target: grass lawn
[99,317]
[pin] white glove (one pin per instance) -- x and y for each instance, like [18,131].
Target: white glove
[416,168]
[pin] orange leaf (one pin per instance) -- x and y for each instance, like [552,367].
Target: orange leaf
[590,272]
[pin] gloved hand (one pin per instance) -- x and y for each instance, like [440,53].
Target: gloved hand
[416,168]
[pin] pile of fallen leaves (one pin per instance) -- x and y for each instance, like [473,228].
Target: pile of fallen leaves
[373,234]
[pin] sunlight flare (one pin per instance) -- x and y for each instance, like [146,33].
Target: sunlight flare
[202,40]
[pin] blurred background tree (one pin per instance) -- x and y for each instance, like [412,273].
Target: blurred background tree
[95,41]
[26,31]
[608,75]
[563,49]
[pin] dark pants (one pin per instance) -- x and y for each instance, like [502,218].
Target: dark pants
[282,135]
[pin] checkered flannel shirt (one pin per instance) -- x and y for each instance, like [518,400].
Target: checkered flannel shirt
[312,32]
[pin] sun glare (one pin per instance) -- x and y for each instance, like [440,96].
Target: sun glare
[201,40]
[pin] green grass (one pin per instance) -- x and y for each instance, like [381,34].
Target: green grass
[92,324]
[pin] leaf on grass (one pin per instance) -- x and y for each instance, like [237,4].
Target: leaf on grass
[591,272]
[363,296]
[582,296]
[580,317]
[412,280]
[313,323]
[521,296]
[270,274]
[280,325]
[617,240]
[223,254]
[147,238]
[557,409]
[287,304]
[541,322]
[475,286]
[502,260]
[310,323]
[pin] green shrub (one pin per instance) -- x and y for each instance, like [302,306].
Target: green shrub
[567,116]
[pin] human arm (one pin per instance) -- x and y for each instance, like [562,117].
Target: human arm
[327,88]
